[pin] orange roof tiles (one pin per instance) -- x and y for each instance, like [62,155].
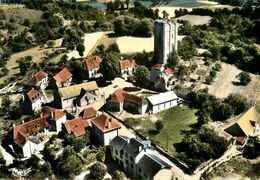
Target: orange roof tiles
[127,63]
[63,75]
[34,95]
[55,114]
[118,95]
[139,100]
[105,123]
[77,126]
[22,131]
[88,113]
[92,62]
[168,71]
[36,78]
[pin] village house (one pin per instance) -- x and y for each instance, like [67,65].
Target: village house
[161,77]
[246,125]
[88,113]
[138,158]
[56,118]
[38,80]
[162,101]
[105,128]
[77,126]
[33,101]
[63,78]
[127,67]
[91,65]
[120,100]
[76,95]
[25,140]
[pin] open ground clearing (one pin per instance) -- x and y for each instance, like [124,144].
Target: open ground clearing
[175,121]
[223,84]
[196,20]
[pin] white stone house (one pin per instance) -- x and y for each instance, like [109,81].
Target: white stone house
[127,67]
[91,66]
[56,118]
[138,158]
[76,95]
[162,77]
[39,80]
[63,78]
[33,101]
[162,101]
[105,128]
[25,141]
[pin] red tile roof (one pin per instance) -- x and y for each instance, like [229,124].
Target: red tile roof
[157,66]
[36,78]
[118,95]
[22,131]
[137,99]
[105,123]
[63,75]
[241,138]
[168,71]
[34,95]
[127,63]
[77,126]
[92,62]
[55,114]
[88,113]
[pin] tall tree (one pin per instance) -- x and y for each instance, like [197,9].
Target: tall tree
[81,49]
[109,67]
[141,75]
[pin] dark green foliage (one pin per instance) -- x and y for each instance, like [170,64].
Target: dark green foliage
[111,48]
[209,80]
[187,48]
[158,125]
[252,148]
[97,171]
[201,146]
[24,64]
[81,48]
[141,75]
[237,102]
[244,78]
[77,143]
[173,60]
[118,175]
[69,166]
[109,67]
[133,27]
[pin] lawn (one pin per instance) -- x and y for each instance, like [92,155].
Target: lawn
[175,121]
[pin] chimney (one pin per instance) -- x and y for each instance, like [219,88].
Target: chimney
[22,121]
[13,125]
[121,58]
[140,148]
[128,141]
[52,114]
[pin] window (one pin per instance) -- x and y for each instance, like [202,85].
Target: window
[127,162]
[139,170]
[131,165]
[126,155]
[131,159]
[116,152]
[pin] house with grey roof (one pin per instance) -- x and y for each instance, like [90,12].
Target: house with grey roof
[162,101]
[76,95]
[133,155]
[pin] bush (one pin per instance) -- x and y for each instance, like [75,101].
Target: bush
[97,171]
[244,78]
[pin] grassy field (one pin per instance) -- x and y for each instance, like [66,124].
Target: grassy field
[175,121]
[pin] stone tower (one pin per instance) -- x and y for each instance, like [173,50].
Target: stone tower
[165,39]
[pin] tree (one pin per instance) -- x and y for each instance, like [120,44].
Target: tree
[141,75]
[252,148]
[244,78]
[112,48]
[97,171]
[223,112]
[50,43]
[24,64]
[158,125]
[173,59]
[6,102]
[81,48]
[238,103]
[118,175]
[70,166]
[109,67]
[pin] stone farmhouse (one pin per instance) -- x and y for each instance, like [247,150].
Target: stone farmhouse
[91,66]
[63,78]
[120,100]
[246,125]
[138,158]
[105,128]
[76,95]
[39,80]
[127,67]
